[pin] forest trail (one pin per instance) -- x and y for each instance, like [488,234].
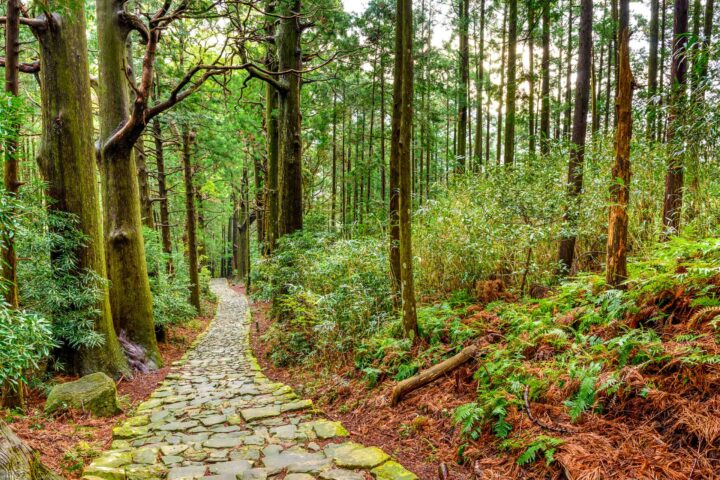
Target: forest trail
[218,416]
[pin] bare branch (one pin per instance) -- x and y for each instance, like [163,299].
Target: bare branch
[32,67]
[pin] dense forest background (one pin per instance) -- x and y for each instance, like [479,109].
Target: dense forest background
[400,183]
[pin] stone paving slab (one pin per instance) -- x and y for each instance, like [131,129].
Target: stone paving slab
[217,416]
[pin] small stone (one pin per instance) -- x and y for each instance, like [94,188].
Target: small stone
[147,455]
[124,432]
[299,476]
[367,457]
[298,405]
[341,474]
[213,420]
[178,426]
[392,471]
[173,449]
[250,414]
[171,459]
[221,442]
[326,429]
[186,473]
[235,467]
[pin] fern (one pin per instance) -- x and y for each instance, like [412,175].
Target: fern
[469,417]
[543,443]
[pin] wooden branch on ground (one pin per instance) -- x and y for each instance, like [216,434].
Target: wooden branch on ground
[432,374]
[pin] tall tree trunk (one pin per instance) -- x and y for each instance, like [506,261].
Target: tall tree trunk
[674,179]
[12,137]
[652,69]
[67,160]
[499,125]
[480,83]
[545,67]
[334,162]
[464,64]
[404,29]
[162,193]
[146,210]
[395,127]
[259,173]
[567,108]
[511,85]
[616,270]
[272,135]
[566,253]
[188,137]
[130,296]
[531,79]
[290,172]
[383,180]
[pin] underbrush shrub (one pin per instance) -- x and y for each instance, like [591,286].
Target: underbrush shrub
[586,350]
[328,293]
[51,285]
[170,291]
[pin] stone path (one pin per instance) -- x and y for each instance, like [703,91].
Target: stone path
[217,416]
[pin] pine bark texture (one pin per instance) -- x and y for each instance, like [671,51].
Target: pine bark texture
[509,156]
[405,29]
[12,137]
[190,218]
[566,253]
[464,60]
[616,269]
[674,178]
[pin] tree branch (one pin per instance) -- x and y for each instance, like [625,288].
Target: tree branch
[36,23]
[32,67]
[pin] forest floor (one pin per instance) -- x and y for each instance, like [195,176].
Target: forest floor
[69,441]
[419,431]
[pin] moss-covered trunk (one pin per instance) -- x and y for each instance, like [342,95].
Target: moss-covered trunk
[190,220]
[68,162]
[290,171]
[130,288]
[162,193]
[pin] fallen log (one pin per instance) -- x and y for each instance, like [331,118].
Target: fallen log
[17,460]
[431,374]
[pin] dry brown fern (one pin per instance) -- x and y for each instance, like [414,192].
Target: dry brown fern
[715,311]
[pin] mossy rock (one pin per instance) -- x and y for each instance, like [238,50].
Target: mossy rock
[94,393]
[392,471]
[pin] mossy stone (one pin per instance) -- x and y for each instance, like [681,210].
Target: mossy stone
[94,393]
[367,457]
[392,471]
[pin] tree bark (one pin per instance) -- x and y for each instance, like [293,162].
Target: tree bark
[17,460]
[567,108]
[509,157]
[499,125]
[431,374]
[146,209]
[395,126]
[480,83]
[545,66]
[652,69]
[531,79]
[566,253]
[464,69]
[616,269]
[12,136]
[289,49]
[674,179]
[67,161]
[405,29]
[130,297]
[163,194]
[188,138]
